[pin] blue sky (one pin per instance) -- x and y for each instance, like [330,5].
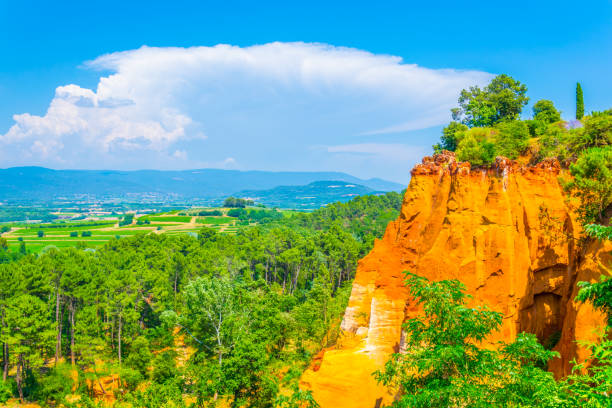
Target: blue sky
[359,110]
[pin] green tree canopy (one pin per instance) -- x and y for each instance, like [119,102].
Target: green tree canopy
[501,100]
[444,364]
[592,182]
[579,102]
[545,111]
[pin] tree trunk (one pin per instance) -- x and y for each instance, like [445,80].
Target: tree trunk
[5,354]
[19,378]
[72,331]
[112,339]
[58,342]
[119,340]
[220,356]
[175,284]
[297,276]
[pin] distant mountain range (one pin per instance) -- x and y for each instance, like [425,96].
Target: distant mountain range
[33,184]
[310,196]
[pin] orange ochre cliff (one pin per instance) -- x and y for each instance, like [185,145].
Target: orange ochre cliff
[506,232]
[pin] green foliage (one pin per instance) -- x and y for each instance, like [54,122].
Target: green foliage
[590,385]
[477,152]
[597,132]
[501,100]
[599,231]
[452,135]
[167,218]
[5,391]
[553,143]
[166,395]
[40,234]
[164,367]
[127,219]
[280,289]
[210,213]
[86,234]
[258,216]
[234,202]
[140,355]
[444,365]
[512,139]
[130,378]
[579,102]
[598,293]
[55,386]
[481,145]
[592,182]
[239,213]
[544,111]
[74,234]
[297,399]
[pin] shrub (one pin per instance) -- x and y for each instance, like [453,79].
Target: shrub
[553,143]
[452,135]
[240,213]
[544,111]
[53,387]
[512,139]
[130,377]
[478,153]
[164,367]
[140,355]
[5,391]
[536,127]
[41,234]
[85,234]
[127,220]
[237,202]
[211,213]
[592,182]
[74,234]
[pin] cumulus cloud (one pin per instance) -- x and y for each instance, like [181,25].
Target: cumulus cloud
[261,106]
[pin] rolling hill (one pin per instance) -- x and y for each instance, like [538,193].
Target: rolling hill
[36,184]
[310,196]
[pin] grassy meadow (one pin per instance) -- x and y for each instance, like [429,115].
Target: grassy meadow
[95,233]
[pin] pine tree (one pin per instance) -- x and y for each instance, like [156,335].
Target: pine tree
[579,102]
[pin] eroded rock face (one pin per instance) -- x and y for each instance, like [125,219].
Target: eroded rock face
[506,232]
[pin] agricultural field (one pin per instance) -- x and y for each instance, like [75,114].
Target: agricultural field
[92,234]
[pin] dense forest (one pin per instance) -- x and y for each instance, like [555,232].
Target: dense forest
[180,320]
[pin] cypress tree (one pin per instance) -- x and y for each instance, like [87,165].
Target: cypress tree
[579,102]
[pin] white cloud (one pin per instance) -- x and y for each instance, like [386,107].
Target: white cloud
[180,154]
[385,151]
[246,104]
